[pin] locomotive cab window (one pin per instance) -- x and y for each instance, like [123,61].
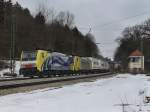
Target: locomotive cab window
[29,56]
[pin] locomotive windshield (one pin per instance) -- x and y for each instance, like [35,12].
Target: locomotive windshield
[29,56]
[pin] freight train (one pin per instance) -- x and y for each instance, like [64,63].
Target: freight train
[43,63]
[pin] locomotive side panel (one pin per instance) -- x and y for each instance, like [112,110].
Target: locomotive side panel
[31,62]
[76,65]
[41,56]
[57,63]
[85,63]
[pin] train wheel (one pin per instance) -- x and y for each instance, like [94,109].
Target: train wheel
[41,76]
[32,76]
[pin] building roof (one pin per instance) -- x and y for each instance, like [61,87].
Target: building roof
[136,53]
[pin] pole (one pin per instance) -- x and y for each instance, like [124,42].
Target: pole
[12,49]
[90,30]
[142,61]
[141,45]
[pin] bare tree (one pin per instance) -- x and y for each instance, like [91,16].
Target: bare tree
[70,19]
[49,13]
[65,18]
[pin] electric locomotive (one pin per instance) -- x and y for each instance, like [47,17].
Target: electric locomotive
[43,63]
[31,62]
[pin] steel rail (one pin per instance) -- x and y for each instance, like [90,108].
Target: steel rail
[28,78]
[16,79]
[12,84]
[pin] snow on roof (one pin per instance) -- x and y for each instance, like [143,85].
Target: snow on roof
[136,53]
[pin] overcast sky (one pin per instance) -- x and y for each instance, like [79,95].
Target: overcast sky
[107,18]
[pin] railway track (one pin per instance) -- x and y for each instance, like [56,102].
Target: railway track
[24,82]
[16,78]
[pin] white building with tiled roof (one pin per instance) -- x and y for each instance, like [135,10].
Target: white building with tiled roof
[136,62]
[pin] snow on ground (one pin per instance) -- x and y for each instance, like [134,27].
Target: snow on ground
[7,70]
[17,67]
[103,95]
[4,71]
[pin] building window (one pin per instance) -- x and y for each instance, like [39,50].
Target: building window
[136,59]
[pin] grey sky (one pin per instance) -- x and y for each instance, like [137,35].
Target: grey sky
[96,14]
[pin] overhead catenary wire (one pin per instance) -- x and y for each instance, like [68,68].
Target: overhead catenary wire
[99,28]
[115,21]
[123,19]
